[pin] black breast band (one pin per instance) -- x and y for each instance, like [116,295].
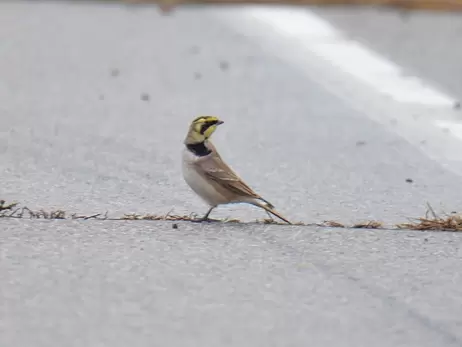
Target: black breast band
[199,149]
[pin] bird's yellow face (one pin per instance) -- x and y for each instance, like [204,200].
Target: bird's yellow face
[203,127]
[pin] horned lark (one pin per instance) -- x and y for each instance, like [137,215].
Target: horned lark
[209,176]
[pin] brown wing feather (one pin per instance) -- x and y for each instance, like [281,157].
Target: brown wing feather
[216,169]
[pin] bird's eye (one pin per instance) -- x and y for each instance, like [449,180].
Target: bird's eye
[204,127]
[207,125]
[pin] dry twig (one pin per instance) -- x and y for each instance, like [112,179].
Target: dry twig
[431,221]
[332,224]
[368,225]
[452,222]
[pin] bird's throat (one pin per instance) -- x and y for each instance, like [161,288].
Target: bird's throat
[199,149]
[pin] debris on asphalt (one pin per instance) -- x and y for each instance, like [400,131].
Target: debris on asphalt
[332,224]
[115,72]
[409,180]
[194,50]
[432,221]
[25,212]
[452,222]
[368,225]
[224,65]
[167,217]
[94,216]
[447,223]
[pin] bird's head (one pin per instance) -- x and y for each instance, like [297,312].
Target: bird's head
[202,128]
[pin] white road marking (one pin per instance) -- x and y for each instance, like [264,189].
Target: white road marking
[321,38]
[453,127]
[369,83]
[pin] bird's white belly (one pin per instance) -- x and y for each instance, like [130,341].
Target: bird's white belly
[198,183]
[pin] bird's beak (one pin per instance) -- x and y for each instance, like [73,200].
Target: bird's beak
[220,122]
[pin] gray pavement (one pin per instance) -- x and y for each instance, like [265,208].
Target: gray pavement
[146,284]
[94,104]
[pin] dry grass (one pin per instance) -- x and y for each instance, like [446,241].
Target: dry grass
[332,224]
[361,225]
[431,221]
[13,211]
[169,217]
[449,223]
[373,224]
[173,217]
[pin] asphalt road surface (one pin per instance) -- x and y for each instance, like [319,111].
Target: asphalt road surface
[95,100]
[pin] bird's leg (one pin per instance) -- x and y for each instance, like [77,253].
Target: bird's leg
[206,217]
[269,215]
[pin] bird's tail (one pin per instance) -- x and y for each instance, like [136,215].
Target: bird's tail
[270,208]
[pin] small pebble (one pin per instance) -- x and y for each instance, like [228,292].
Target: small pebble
[409,180]
[115,72]
[174,226]
[224,65]
[194,50]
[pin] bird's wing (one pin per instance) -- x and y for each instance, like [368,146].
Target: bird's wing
[215,169]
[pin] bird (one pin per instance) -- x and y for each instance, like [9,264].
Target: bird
[210,177]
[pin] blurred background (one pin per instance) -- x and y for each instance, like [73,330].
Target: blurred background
[345,111]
